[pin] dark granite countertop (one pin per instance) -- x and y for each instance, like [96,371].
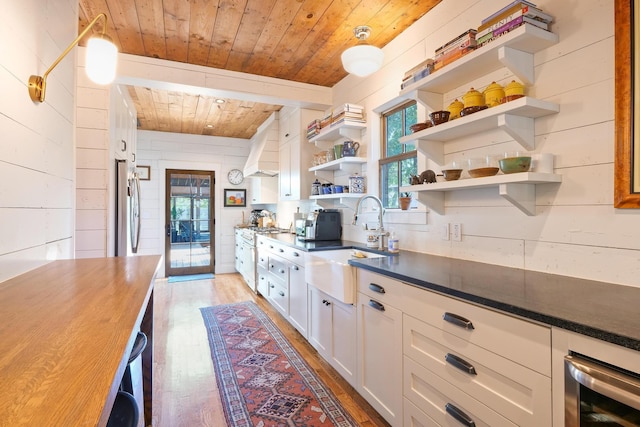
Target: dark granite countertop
[605,311]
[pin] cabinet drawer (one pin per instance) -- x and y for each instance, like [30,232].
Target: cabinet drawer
[433,395]
[294,255]
[518,340]
[263,259]
[279,296]
[414,417]
[278,268]
[261,285]
[519,394]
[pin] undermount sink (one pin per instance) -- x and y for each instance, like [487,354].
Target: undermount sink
[330,272]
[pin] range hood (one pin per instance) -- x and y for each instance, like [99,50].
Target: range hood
[263,160]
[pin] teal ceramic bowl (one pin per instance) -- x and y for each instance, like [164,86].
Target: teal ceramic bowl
[515,164]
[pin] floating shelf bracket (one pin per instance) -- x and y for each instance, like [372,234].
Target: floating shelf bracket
[522,196]
[519,62]
[432,101]
[519,128]
[434,200]
[434,150]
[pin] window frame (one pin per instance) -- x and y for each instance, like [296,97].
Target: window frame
[398,158]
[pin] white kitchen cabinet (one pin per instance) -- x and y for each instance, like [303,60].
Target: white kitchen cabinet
[238,250]
[264,190]
[123,125]
[319,321]
[493,367]
[282,280]
[332,332]
[295,154]
[298,308]
[379,328]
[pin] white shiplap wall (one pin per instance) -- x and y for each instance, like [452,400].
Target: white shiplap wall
[165,150]
[576,231]
[36,153]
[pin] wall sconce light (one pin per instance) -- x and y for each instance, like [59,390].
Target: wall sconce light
[362,59]
[101,61]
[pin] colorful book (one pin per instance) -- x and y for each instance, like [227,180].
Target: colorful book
[482,34]
[527,11]
[507,7]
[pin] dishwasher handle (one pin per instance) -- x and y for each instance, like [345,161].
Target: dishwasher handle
[604,380]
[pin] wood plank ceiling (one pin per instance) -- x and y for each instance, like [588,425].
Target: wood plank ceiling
[297,40]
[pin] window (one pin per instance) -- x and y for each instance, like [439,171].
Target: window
[398,161]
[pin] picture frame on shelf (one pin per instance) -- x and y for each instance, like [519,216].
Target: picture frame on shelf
[235,197]
[143,172]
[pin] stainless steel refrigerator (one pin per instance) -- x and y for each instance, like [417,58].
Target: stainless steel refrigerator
[127,212]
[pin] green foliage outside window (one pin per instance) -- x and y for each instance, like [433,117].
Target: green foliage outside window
[399,161]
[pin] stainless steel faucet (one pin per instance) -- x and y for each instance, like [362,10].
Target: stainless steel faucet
[381,232]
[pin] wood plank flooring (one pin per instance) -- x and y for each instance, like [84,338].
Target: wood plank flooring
[185,392]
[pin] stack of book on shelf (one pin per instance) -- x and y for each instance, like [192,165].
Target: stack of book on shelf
[455,49]
[511,16]
[325,122]
[313,128]
[349,112]
[418,72]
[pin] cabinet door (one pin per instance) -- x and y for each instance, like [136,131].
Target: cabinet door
[380,357]
[343,340]
[319,321]
[262,286]
[264,190]
[285,172]
[298,299]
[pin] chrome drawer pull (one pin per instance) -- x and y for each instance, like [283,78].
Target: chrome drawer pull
[296,254]
[295,268]
[460,363]
[458,320]
[280,250]
[281,271]
[376,288]
[459,415]
[281,293]
[376,305]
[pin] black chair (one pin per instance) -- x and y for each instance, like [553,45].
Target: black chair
[124,412]
[138,347]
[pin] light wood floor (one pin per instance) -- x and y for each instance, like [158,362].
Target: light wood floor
[184,386]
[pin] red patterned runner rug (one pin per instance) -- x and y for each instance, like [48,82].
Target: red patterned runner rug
[262,379]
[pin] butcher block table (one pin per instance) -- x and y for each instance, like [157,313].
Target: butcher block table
[66,331]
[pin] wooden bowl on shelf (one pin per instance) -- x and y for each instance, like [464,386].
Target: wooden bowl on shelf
[451,174]
[419,126]
[482,172]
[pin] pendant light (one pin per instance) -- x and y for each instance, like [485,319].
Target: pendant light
[362,59]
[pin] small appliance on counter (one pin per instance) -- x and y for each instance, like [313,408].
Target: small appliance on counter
[320,225]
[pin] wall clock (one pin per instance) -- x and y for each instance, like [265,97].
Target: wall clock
[235,176]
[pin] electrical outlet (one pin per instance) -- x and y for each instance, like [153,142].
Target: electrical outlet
[444,232]
[456,231]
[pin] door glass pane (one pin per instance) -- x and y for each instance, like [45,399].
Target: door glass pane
[190,212]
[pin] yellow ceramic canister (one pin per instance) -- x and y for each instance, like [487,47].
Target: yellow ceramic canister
[473,98]
[454,109]
[513,90]
[493,94]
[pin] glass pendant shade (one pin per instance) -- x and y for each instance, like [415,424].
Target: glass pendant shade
[101,60]
[362,60]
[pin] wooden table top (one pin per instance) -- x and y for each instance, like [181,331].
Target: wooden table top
[66,331]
